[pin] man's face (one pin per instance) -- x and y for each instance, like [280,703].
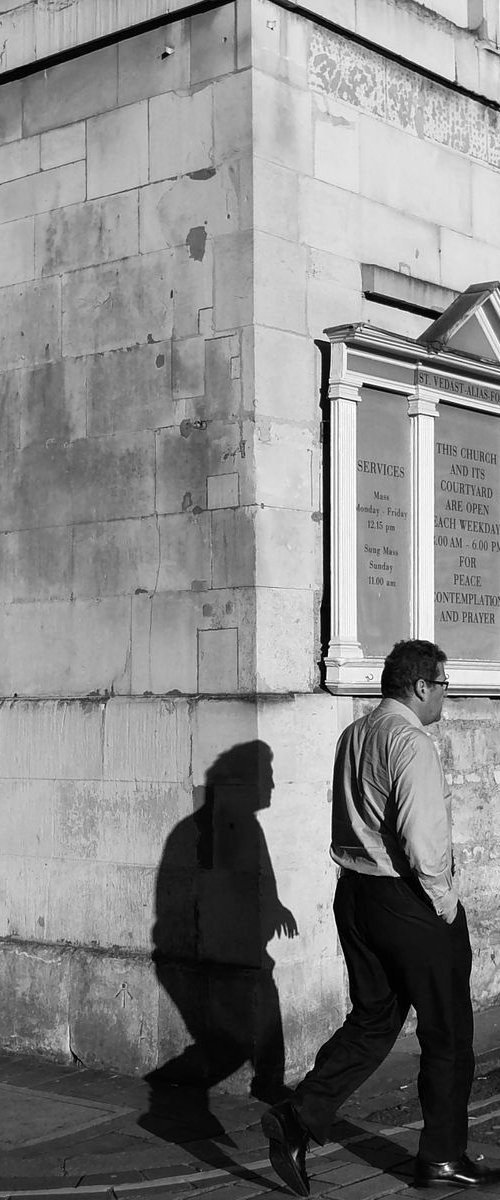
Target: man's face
[434,697]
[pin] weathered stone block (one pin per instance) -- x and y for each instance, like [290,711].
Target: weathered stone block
[64,145]
[145,68]
[354,227]
[279,283]
[118,821]
[164,642]
[188,368]
[18,159]
[36,565]
[336,143]
[85,234]
[465,258]
[347,71]
[27,814]
[218,660]
[284,369]
[223,375]
[17,252]
[275,200]
[11,116]
[244,36]
[302,732]
[485,197]
[30,323]
[113,1011]
[51,739]
[186,456]
[147,740]
[382,315]
[117,150]
[233,547]
[71,90]
[35,981]
[132,301]
[129,389]
[213,43]
[333,285]
[25,889]
[193,291]
[283,129]
[233,116]
[234,278]
[284,459]
[329,218]
[184,553]
[115,558]
[112,478]
[69,648]
[282,539]
[425,42]
[431,182]
[181,139]
[185,211]
[10,417]
[164,637]
[41,192]
[218,726]
[223,491]
[95,479]
[34,488]
[467,63]
[308,1021]
[115,908]
[52,403]
[285,640]
[394,240]
[267,23]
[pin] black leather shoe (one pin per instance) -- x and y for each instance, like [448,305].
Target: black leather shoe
[461,1172]
[288,1144]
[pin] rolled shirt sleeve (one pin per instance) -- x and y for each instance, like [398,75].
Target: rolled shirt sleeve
[423,819]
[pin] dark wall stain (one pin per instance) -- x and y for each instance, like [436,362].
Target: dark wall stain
[205,173]
[196,241]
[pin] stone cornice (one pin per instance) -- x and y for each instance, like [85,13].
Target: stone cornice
[32,33]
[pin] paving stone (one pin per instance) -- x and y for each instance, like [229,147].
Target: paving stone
[343,1174]
[149,1193]
[111,1178]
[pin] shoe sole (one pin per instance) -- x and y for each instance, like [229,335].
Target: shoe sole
[281,1159]
[439,1183]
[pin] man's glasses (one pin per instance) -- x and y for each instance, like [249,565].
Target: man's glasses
[444,683]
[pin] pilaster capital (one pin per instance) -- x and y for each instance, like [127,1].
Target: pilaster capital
[339,390]
[423,402]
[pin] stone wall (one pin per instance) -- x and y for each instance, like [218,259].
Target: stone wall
[182,213]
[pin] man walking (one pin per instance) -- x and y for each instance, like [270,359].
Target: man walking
[402,929]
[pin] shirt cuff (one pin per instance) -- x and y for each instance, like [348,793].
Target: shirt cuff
[446,906]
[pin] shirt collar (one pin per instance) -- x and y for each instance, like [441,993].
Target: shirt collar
[389,705]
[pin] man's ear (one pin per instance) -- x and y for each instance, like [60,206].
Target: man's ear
[419,687]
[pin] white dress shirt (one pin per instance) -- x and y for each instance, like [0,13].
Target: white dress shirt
[391,808]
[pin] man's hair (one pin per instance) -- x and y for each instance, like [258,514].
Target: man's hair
[407,662]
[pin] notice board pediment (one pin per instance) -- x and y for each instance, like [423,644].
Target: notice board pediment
[415,499]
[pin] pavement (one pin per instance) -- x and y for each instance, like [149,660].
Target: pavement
[71,1131]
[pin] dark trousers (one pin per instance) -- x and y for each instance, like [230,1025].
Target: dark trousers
[398,952]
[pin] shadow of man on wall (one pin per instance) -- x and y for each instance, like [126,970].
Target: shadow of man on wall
[217,907]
